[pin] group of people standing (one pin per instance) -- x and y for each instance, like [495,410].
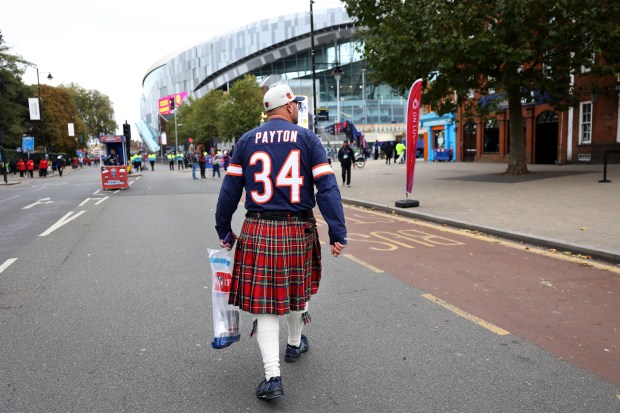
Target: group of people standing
[389,150]
[26,168]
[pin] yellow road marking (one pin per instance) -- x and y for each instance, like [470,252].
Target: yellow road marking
[493,328]
[471,234]
[364,263]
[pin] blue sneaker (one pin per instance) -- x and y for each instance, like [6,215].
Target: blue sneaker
[270,389]
[293,353]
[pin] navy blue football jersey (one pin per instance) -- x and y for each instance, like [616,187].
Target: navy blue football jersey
[278,164]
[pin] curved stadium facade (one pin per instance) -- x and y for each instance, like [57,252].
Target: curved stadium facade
[281,46]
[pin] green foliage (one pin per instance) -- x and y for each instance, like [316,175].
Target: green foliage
[244,109]
[59,110]
[512,47]
[14,95]
[219,115]
[94,108]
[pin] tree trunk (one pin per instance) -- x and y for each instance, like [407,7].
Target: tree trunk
[517,161]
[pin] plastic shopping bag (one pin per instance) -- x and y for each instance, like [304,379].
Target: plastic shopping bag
[225,316]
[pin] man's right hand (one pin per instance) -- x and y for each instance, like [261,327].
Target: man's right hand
[337,248]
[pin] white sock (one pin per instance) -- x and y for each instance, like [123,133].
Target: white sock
[295,324]
[267,335]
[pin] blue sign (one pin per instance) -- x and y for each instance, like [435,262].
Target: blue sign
[28,143]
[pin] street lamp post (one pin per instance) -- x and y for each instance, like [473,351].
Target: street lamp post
[49,77]
[364,96]
[313,68]
[176,134]
[337,72]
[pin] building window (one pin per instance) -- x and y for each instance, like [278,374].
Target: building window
[491,136]
[585,123]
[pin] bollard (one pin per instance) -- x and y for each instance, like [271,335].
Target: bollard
[605,180]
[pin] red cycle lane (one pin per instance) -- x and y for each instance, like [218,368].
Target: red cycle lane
[567,306]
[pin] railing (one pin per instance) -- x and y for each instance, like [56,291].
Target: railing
[605,165]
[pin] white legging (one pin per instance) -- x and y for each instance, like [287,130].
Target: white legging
[267,335]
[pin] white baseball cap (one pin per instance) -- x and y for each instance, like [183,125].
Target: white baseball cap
[278,96]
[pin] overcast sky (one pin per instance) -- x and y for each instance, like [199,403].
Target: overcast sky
[109,45]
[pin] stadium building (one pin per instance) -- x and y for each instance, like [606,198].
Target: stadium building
[278,50]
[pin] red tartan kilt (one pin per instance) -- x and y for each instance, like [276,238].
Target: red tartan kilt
[277,266]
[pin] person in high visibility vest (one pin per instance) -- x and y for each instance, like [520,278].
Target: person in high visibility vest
[180,160]
[171,161]
[152,157]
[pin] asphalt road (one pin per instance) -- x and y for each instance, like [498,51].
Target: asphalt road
[111,312]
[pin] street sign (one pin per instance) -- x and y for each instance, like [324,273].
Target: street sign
[28,143]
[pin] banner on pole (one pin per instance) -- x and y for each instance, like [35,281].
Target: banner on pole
[33,103]
[413,122]
[71,128]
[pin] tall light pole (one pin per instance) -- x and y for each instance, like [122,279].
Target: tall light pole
[364,96]
[337,72]
[176,134]
[49,77]
[313,67]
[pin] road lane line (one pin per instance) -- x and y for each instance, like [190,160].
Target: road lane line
[84,201]
[102,199]
[493,328]
[40,201]
[6,264]
[8,199]
[364,263]
[62,221]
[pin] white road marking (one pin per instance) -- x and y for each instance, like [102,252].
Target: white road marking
[96,192]
[6,264]
[8,199]
[101,200]
[84,201]
[62,221]
[40,201]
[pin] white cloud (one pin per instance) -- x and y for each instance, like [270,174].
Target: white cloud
[108,45]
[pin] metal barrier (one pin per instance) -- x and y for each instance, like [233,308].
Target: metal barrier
[605,166]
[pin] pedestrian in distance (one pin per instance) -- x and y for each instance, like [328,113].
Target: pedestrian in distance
[216,165]
[195,164]
[60,165]
[202,163]
[43,167]
[277,264]
[400,150]
[388,149]
[171,161]
[346,158]
[21,167]
[30,167]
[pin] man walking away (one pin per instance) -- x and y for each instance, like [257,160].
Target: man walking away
[277,265]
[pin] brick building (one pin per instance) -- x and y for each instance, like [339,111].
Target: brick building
[581,134]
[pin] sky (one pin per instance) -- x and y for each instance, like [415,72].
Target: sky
[109,45]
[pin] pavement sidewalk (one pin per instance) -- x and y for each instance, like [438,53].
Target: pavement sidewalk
[554,206]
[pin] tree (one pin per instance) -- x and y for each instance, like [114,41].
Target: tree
[219,115]
[59,109]
[526,50]
[94,108]
[14,95]
[243,110]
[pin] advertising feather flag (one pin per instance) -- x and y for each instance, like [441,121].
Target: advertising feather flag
[413,121]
